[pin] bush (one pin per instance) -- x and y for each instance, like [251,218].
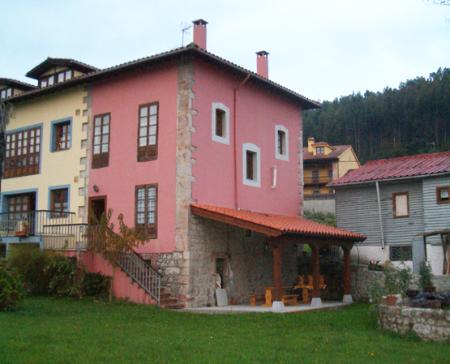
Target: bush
[64,277]
[426,275]
[30,263]
[11,288]
[396,281]
[96,285]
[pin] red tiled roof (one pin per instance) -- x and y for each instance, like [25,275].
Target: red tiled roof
[274,225]
[395,168]
[337,151]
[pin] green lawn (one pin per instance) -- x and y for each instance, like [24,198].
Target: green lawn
[48,330]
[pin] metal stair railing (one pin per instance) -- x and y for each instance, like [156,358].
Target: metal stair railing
[142,273]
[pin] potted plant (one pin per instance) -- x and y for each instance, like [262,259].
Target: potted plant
[426,277]
[396,282]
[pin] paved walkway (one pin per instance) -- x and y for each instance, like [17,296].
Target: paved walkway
[262,309]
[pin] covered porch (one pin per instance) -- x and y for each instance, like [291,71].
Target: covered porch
[280,234]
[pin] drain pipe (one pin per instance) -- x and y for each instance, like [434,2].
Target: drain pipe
[235,91]
[377,185]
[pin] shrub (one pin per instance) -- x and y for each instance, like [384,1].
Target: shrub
[396,281]
[64,277]
[426,275]
[30,263]
[96,285]
[11,288]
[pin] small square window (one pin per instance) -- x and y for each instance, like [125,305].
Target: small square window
[251,165]
[281,143]
[443,194]
[320,150]
[400,253]
[400,204]
[220,124]
[61,135]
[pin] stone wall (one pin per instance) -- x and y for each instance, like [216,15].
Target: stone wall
[362,278]
[248,262]
[428,324]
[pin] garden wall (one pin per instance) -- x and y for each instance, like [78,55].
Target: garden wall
[428,324]
[362,278]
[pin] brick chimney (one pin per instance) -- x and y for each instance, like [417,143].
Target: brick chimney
[200,33]
[310,143]
[262,64]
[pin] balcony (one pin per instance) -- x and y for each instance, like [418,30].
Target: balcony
[52,229]
[320,180]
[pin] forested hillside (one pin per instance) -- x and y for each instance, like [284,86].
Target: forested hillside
[414,118]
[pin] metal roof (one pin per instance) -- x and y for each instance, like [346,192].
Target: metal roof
[419,165]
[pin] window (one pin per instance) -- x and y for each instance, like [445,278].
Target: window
[148,132]
[281,143]
[220,123]
[18,205]
[400,253]
[400,204]
[316,190]
[443,194]
[320,150]
[22,154]
[251,165]
[56,78]
[59,202]
[6,92]
[330,173]
[61,135]
[146,209]
[315,175]
[100,154]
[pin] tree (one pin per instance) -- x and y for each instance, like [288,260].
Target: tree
[105,241]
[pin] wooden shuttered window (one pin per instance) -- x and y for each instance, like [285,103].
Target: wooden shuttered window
[443,195]
[22,155]
[400,206]
[100,141]
[147,209]
[62,136]
[147,144]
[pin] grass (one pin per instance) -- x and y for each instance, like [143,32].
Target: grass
[49,330]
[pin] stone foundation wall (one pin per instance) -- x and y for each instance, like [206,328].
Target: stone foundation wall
[428,324]
[248,262]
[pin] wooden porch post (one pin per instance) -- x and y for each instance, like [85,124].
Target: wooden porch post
[277,253]
[347,274]
[316,301]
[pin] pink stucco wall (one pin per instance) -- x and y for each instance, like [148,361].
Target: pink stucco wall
[121,97]
[258,112]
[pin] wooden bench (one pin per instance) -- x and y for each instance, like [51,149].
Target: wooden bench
[256,298]
[289,299]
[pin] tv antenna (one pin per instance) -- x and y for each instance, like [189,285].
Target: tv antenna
[184,29]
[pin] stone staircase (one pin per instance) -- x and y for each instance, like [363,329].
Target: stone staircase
[168,301]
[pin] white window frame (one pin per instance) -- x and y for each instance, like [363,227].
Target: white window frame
[251,148]
[285,156]
[216,138]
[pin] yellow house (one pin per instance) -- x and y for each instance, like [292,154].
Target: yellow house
[44,181]
[323,163]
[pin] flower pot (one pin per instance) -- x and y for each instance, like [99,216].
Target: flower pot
[391,300]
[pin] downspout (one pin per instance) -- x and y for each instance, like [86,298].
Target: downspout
[377,185]
[235,91]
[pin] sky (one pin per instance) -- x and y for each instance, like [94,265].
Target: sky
[322,49]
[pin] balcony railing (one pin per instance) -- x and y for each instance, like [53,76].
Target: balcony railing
[322,180]
[58,230]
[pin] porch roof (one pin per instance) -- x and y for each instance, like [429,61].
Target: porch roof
[274,225]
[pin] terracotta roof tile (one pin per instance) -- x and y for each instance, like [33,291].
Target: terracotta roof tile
[398,168]
[274,225]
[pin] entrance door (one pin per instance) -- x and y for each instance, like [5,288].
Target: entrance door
[97,207]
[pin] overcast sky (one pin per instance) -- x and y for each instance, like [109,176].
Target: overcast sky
[320,48]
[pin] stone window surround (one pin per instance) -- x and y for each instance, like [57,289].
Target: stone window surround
[252,148]
[285,155]
[216,138]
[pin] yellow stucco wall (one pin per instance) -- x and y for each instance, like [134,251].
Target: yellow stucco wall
[56,168]
[347,161]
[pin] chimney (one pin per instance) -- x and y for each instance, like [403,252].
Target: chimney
[200,33]
[310,143]
[262,64]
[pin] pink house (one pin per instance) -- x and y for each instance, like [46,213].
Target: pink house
[206,156]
